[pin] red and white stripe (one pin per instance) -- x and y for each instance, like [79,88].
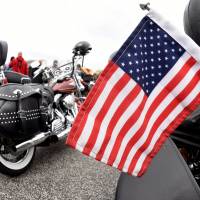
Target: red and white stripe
[119,125]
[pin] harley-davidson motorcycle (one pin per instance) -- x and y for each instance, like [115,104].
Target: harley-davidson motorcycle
[37,113]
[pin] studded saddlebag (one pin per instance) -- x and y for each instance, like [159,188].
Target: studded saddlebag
[23,109]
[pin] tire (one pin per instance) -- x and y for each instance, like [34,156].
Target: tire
[16,164]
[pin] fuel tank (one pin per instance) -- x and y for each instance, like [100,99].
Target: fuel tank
[65,86]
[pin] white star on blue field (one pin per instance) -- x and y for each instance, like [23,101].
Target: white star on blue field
[148,54]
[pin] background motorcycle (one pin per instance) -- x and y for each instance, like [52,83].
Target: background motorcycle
[54,107]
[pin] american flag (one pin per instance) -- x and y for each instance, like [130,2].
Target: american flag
[144,93]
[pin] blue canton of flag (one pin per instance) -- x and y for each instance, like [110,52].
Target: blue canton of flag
[143,94]
[150,55]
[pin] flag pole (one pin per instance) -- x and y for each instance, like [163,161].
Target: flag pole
[145,6]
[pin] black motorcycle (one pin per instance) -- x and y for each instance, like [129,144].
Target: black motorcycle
[34,114]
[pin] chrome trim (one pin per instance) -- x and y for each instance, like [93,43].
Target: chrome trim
[41,137]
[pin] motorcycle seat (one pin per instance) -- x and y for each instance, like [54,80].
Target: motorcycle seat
[14,77]
[168,178]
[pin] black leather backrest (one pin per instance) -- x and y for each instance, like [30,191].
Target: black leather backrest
[168,178]
[192,20]
[3,52]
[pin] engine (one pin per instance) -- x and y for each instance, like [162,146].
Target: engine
[57,126]
[59,122]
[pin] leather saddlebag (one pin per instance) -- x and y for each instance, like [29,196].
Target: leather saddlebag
[23,109]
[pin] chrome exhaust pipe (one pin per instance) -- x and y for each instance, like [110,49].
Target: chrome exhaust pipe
[63,134]
[39,139]
[32,142]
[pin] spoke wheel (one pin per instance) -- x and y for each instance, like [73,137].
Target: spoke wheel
[16,163]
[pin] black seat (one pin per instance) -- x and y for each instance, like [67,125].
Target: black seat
[14,77]
[168,178]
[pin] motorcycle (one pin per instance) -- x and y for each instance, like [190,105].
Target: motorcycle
[36,114]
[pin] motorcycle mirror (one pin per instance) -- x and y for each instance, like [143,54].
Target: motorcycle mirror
[3,52]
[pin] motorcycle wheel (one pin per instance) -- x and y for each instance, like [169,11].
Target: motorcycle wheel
[15,164]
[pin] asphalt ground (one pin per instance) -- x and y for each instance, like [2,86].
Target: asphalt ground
[61,173]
